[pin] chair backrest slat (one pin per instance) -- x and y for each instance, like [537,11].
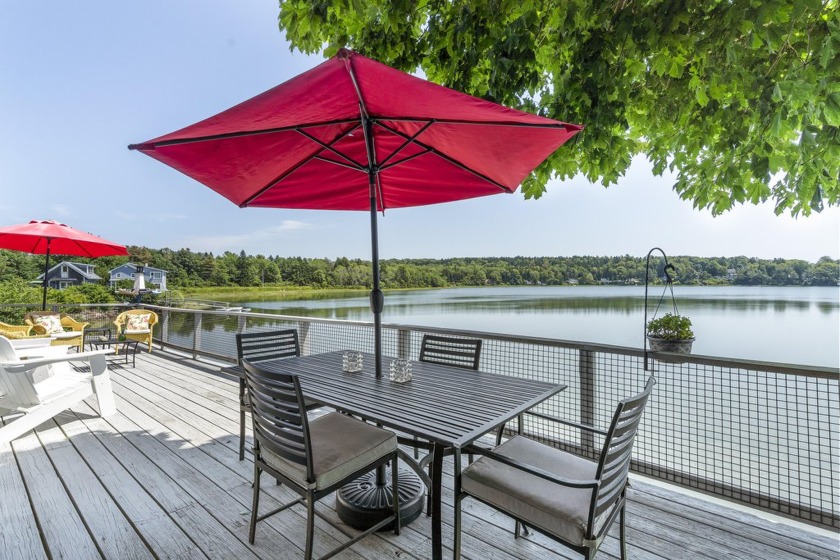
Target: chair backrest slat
[279,416]
[458,352]
[614,464]
[259,347]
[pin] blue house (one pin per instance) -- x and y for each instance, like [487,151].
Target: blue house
[155,277]
[66,274]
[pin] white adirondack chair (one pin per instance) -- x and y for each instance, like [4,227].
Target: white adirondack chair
[35,389]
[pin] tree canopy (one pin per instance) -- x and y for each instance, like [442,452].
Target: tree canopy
[740,98]
[186,269]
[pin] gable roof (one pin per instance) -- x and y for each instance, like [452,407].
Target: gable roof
[133,267]
[78,267]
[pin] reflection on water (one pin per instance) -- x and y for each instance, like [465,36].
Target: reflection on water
[790,325]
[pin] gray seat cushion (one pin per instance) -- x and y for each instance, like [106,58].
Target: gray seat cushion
[341,445]
[555,509]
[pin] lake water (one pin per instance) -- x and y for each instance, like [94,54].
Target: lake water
[788,324]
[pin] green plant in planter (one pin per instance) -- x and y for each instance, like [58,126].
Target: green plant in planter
[670,327]
[670,333]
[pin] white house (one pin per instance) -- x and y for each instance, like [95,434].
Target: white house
[155,277]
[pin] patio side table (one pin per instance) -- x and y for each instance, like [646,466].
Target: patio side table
[129,348]
[96,332]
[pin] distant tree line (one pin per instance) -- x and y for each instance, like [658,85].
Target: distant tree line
[186,269]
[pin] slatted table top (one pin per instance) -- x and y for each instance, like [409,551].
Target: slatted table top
[443,404]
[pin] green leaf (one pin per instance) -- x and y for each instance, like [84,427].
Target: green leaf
[701,97]
[831,110]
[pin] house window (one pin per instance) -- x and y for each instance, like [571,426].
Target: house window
[64,271]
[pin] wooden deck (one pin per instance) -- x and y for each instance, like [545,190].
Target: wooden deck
[161,479]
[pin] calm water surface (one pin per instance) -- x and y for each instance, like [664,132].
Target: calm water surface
[789,325]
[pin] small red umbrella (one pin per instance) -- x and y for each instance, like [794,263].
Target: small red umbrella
[50,237]
[355,134]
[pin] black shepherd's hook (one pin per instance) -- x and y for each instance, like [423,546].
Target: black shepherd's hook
[669,281]
[668,266]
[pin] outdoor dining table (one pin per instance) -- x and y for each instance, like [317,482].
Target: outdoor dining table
[447,406]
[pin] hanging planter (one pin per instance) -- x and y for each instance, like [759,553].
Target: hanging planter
[671,332]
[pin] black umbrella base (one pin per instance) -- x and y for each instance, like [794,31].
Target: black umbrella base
[362,504]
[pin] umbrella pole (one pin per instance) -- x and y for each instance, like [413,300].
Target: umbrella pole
[377,299]
[46,270]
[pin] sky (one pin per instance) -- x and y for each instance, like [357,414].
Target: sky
[79,81]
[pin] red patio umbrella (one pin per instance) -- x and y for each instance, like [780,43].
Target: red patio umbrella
[48,236]
[355,134]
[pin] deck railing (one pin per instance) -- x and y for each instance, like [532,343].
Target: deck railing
[760,434]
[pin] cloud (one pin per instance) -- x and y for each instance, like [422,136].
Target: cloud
[261,238]
[170,217]
[60,210]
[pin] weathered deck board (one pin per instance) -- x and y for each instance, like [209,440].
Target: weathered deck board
[162,478]
[111,530]
[284,525]
[64,532]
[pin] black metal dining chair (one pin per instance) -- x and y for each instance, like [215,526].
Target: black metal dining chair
[258,347]
[462,353]
[312,458]
[571,499]
[457,352]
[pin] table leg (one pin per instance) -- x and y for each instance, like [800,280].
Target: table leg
[437,484]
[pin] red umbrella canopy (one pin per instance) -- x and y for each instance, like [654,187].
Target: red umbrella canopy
[40,237]
[306,143]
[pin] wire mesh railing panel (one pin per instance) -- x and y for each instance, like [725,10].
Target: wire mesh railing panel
[763,435]
[762,438]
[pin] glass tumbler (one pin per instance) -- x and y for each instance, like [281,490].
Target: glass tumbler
[400,370]
[351,361]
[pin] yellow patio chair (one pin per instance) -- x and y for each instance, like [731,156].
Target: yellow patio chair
[137,324]
[15,331]
[64,330]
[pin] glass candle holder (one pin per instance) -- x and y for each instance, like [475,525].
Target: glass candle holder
[352,361]
[400,370]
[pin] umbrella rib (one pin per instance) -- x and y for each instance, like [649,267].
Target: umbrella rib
[239,134]
[562,126]
[303,161]
[403,160]
[333,150]
[451,160]
[242,134]
[340,164]
[404,144]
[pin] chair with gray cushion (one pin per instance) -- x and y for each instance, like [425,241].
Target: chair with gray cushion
[312,458]
[571,499]
[257,347]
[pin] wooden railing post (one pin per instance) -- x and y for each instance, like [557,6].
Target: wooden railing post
[199,319]
[586,374]
[305,340]
[164,327]
[404,343]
